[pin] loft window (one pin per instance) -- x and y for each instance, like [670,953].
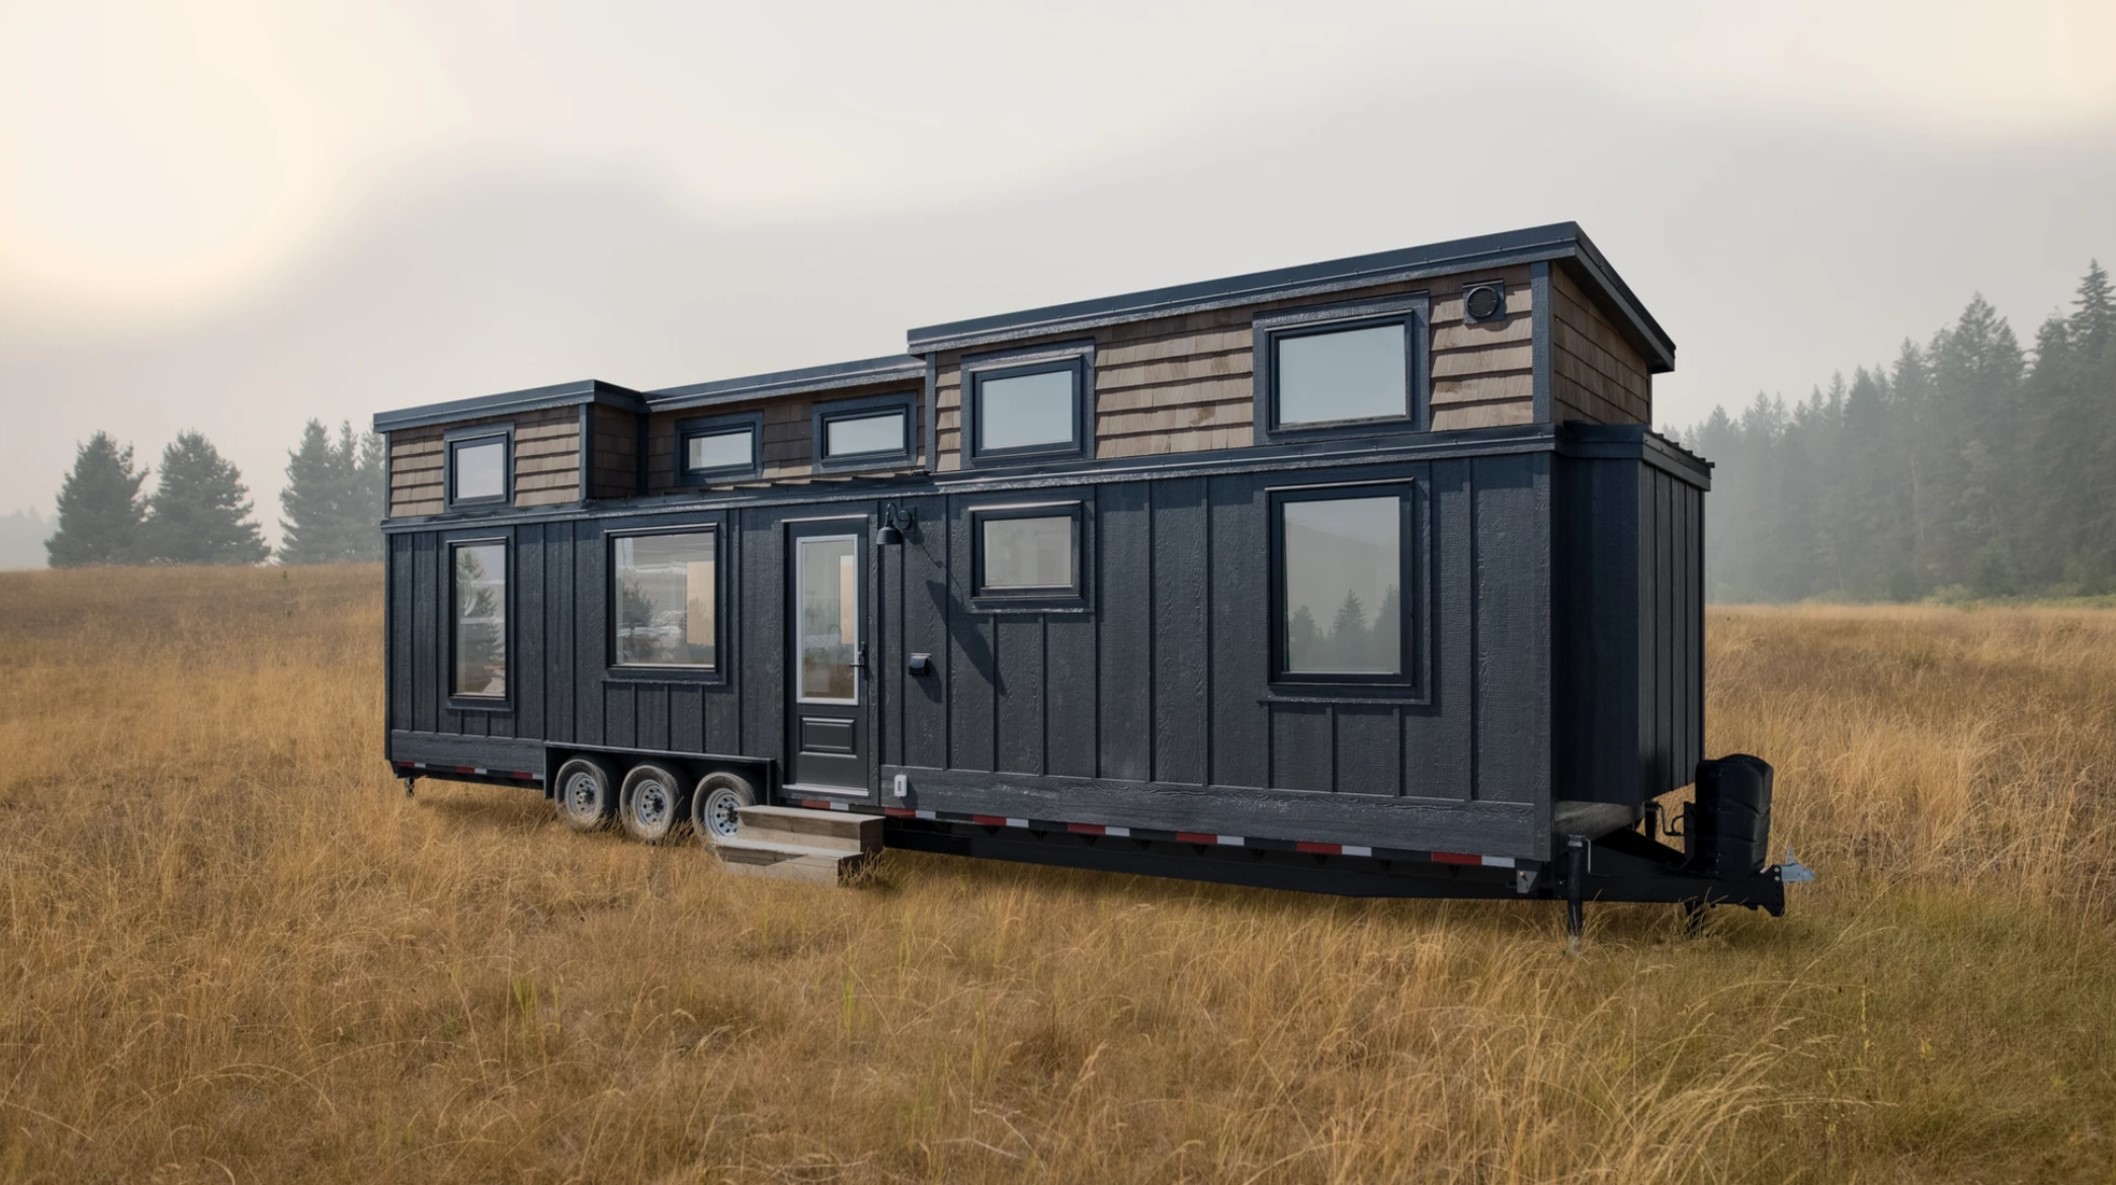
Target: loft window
[478,467]
[1339,369]
[1027,553]
[1027,407]
[864,433]
[664,597]
[478,640]
[722,448]
[1340,577]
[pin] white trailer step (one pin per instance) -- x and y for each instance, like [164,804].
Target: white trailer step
[840,831]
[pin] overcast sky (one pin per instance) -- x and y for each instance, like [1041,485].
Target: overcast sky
[234,216]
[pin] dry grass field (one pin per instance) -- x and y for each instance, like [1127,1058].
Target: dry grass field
[232,950]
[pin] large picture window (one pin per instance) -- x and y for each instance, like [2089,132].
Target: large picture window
[1340,369]
[664,596]
[1342,578]
[478,580]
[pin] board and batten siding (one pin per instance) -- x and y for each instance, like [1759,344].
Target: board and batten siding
[546,462]
[788,447]
[1185,384]
[1597,376]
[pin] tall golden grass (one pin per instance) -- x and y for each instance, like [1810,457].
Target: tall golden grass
[234,951]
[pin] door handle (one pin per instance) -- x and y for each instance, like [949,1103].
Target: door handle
[860,663]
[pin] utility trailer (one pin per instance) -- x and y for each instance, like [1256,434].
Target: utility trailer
[1364,577]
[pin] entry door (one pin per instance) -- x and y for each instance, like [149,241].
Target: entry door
[827,718]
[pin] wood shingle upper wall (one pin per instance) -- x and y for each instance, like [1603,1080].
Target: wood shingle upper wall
[1596,374]
[546,461]
[788,447]
[1186,383]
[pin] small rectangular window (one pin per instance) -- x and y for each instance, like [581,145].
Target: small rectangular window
[721,448]
[1341,578]
[1028,552]
[477,469]
[1340,370]
[479,580]
[870,433]
[1020,409]
[664,593]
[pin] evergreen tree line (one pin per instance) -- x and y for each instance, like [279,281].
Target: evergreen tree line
[199,511]
[1970,466]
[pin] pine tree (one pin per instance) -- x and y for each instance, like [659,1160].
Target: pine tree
[313,510]
[100,508]
[370,496]
[200,513]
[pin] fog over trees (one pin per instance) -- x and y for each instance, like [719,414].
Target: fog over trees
[1970,465]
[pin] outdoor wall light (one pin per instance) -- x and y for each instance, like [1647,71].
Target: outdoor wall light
[895,521]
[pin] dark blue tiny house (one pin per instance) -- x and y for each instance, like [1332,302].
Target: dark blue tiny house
[1365,576]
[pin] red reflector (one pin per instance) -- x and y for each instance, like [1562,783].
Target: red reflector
[989,820]
[898,812]
[1085,828]
[466,769]
[1319,849]
[1196,837]
[1456,858]
[815,804]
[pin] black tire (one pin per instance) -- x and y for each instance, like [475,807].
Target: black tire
[586,794]
[653,803]
[716,805]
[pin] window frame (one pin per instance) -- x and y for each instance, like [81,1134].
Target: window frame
[1412,312]
[666,672]
[1040,599]
[1076,358]
[1412,682]
[456,439]
[826,414]
[696,426]
[459,701]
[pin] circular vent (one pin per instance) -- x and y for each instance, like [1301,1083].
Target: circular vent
[1483,302]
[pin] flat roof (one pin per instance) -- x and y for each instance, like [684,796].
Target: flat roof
[1559,240]
[835,376]
[510,403]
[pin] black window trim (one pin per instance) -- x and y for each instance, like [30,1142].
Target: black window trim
[1041,599]
[1078,358]
[1412,684]
[457,438]
[860,408]
[722,425]
[458,701]
[1412,311]
[642,672]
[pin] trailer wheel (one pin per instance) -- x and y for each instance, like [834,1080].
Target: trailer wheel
[587,792]
[716,805]
[652,803]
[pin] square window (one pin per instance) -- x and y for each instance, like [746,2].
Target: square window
[664,598]
[1341,581]
[478,586]
[477,469]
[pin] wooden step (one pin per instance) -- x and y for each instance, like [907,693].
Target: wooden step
[838,831]
[785,861]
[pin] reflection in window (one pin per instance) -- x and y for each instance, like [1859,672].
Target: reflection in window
[829,593]
[847,436]
[480,470]
[1348,374]
[664,592]
[1022,554]
[1343,599]
[1026,410]
[480,580]
[719,450]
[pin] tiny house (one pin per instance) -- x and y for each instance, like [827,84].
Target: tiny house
[1366,576]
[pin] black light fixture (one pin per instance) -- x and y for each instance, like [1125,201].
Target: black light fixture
[895,521]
